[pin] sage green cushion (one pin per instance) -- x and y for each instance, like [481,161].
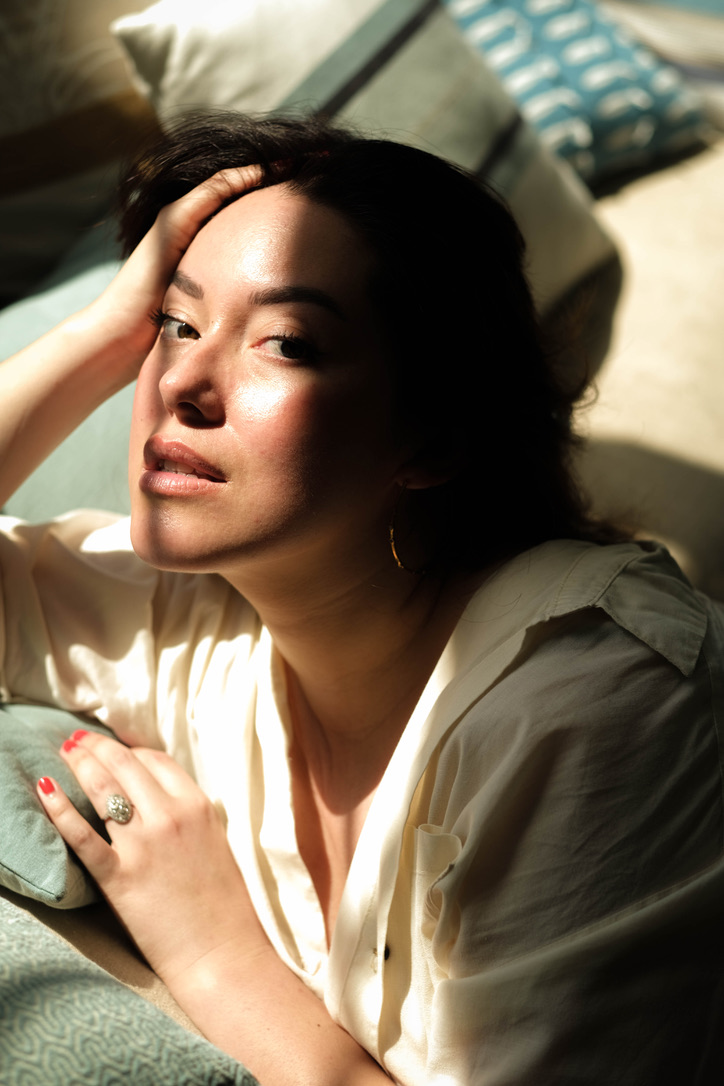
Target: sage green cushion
[89,469]
[34,859]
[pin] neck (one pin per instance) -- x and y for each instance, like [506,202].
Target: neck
[359,647]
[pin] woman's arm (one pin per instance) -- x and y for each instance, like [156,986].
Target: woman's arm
[171,877]
[252,1006]
[48,388]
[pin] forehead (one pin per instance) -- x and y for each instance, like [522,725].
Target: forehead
[276,237]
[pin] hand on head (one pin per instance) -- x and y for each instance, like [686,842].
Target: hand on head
[137,291]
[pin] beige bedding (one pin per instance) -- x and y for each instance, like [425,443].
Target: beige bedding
[657,425]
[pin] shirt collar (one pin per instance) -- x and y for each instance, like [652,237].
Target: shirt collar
[638,584]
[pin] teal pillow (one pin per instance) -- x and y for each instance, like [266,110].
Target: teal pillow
[598,97]
[34,859]
[89,469]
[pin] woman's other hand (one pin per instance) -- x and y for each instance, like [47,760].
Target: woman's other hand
[168,871]
[169,874]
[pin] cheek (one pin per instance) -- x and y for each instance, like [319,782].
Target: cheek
[147,409]
[261,403]
[279,419]
[147,397]
[140,412]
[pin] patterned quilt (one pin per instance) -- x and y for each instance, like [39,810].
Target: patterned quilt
[64,1020]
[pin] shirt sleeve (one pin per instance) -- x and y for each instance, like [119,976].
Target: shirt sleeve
[568,883]
[76,620]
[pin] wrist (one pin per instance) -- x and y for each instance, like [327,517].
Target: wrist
[233,966]
[214,953]
[110,342]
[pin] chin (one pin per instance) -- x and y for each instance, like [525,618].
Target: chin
[164,549]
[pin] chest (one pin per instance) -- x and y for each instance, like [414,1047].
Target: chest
[327,837]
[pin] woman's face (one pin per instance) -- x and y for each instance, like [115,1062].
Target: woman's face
[262,423]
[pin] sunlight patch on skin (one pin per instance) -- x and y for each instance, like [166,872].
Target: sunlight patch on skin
[263,399]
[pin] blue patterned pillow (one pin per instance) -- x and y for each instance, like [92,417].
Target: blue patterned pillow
[598,97]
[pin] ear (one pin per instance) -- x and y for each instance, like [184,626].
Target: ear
[429,467]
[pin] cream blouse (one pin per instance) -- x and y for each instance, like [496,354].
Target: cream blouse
[538,888]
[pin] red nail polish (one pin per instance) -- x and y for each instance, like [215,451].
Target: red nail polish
[78,734]
[69,745]
[46,785]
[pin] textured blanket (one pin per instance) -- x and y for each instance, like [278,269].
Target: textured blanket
[64,1020]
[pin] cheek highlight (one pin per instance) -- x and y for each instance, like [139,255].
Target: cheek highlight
[261,401]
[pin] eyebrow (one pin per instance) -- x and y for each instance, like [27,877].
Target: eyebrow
[268,296]
[187,285]
[282,295]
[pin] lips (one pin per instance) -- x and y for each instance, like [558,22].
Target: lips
[175,458]
[174,471]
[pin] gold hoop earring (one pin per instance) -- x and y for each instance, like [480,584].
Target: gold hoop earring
[393,545]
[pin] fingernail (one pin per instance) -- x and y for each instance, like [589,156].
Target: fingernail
[46,785]
[78,734]
[69,745]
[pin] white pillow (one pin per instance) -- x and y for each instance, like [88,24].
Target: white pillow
[399,68]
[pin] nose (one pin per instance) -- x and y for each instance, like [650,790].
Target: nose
[190,388]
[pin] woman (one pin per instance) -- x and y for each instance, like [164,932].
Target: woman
[464,746]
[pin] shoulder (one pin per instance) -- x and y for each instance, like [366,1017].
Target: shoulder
[597,652]
[594,743]
[89,538]
[84,562]
[572,632]
[92,550]
[575,646]
[637,584]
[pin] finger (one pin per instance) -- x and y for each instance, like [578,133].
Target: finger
[169,774]
[101,767]
[182,219]
[223,185]
[89,847]
[141,282]
[161,768]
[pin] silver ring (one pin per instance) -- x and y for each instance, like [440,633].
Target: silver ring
[118,809]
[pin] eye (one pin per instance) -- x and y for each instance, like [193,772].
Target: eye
[173,328]
[291,347]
